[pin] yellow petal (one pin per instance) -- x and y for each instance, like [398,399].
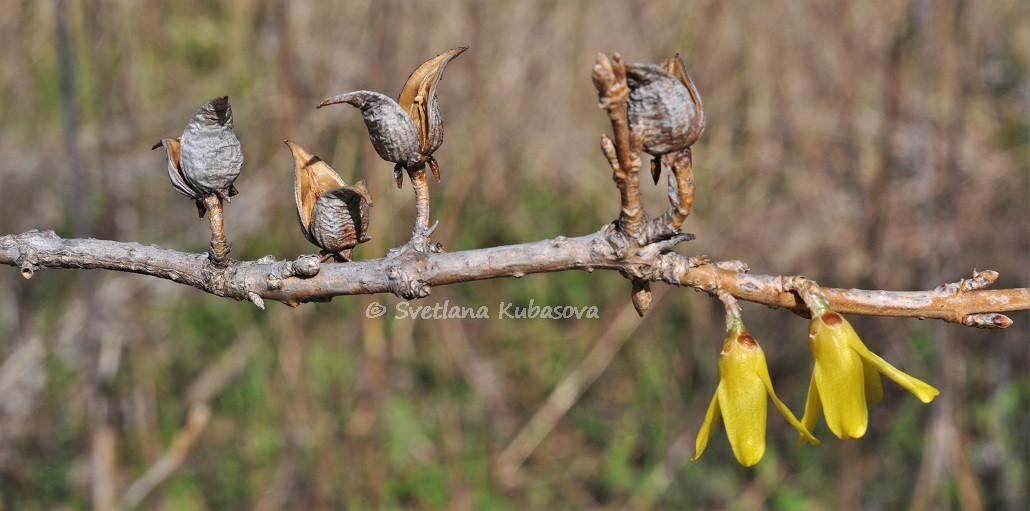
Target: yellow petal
[839,377]
[873,385]
[921,389]
[813,408]
[742,399]
[763,373]
[744,414]
[707,426]
[312,178]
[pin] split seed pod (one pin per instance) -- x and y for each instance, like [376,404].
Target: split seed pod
[664,109]
[207,158]
[390,128]
[333,215]
[418,98]
[406,132]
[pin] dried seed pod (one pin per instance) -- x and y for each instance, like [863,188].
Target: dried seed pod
[390,128]
[408,131]
[418,99]
[678,68]
[661,110]
[339,220]
[210,156]
[171,147]
[332,215]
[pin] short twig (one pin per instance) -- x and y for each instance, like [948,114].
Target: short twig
[422,231]
[681,194]
[623,155]
[219,247]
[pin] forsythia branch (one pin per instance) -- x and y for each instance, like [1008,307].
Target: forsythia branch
[412,274]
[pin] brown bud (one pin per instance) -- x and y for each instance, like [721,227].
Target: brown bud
[332,215]
[418,99]
[609,76]
[390,128]
[641,296]
[662,112]
[210,156]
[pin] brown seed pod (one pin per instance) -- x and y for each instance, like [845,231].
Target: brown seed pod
[678,68]
[661,109]
[332,215]
[408,131]
[390,128]
[418,99]
[339,220]
[210,156]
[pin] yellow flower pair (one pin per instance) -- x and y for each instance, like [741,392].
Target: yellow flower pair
[845,380]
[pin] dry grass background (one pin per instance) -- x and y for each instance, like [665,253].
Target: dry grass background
[880,145]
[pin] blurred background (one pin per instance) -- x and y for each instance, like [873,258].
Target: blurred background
[876,145]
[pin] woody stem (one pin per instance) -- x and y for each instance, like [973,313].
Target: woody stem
[420,234]
[610,80]
[219,247]
[681,193]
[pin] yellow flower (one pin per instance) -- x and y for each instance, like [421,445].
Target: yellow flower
[846,377]
[741,399]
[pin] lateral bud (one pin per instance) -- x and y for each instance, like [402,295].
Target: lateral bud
[642,296]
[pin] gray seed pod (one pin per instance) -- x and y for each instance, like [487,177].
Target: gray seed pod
[661,110]
[211,157]
[339,220]
[390,128]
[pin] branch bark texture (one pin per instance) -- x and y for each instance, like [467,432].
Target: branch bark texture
[413,274]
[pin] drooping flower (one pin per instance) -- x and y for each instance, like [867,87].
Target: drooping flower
[846,377]
[740,399]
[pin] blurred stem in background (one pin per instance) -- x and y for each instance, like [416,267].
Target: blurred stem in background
[107,350]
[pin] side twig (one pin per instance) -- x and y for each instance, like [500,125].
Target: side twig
[610,79]
[219,247]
